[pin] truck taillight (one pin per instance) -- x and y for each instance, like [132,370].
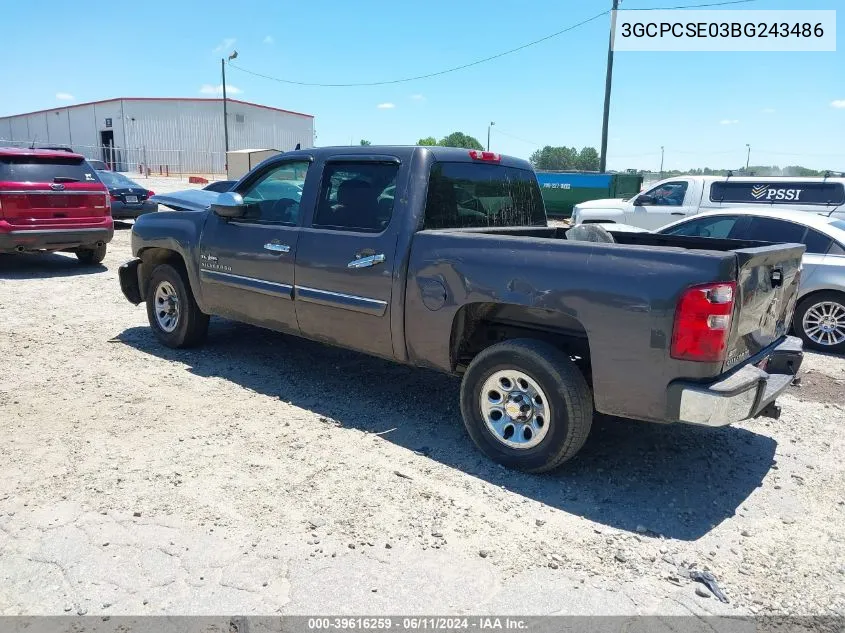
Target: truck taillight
[703,322]
[490,157]
[108,204]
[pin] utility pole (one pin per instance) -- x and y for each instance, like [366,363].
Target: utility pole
[225,114]
[607,83]
[661,162]
[747,157]
[489,127]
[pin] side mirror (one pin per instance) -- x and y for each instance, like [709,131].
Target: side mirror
[643,200]
[229,205]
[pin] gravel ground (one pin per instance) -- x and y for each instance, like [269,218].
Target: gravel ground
[264,474]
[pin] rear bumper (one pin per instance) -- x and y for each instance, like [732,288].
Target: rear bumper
[129,283]
[52,239]
[747,392]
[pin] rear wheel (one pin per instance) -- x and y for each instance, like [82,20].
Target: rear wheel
[820,321]
[526,405]
[173,313]
[91,256]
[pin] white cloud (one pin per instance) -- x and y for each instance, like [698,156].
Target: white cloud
[208,89]
[728,121]
[64,96]
[386,106]
[269,40]
[839,103]
[225,46]
[418,97]
[769,110]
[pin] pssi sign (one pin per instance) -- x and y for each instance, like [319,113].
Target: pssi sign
[826,193]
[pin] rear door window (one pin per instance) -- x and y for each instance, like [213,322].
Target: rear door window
[816,242]
[481,195]
[36,169]
[721,226]
[357,196]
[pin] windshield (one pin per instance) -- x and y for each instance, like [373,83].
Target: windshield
[114,179]
[40,169]
[480,195]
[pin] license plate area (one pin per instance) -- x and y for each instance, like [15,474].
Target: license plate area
[132,199]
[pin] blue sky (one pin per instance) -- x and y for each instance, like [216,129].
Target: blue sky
[703,107]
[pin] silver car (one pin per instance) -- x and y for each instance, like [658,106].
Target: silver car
[820,313]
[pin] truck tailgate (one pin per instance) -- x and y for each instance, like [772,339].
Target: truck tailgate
[767,288]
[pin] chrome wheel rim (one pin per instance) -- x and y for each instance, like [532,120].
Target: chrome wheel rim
[824,323]
[515,409]
[166,306]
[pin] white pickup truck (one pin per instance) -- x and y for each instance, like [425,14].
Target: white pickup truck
[673,198]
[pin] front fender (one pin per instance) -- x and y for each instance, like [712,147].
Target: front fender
[156,234]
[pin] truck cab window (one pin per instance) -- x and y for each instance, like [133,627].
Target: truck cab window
[479,195]
[357,196]
[275,197]
[668,194]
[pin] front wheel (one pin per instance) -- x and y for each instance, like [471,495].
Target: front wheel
[91,256]
[526,405]
[173,313]
[820,321]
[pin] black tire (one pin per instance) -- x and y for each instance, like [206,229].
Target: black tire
[804,306]
[564,386]
[191,324]
[91,256]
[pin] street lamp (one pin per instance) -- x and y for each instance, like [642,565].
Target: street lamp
[489,127]
[225,120]
[748,157]
[661,162]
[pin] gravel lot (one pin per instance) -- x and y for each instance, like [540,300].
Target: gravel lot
[264,474]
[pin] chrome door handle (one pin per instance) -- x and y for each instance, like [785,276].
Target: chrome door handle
[366,262]
[278,248]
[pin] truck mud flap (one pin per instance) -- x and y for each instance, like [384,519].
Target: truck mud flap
[128,275]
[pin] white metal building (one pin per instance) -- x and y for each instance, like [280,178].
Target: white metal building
[171,135]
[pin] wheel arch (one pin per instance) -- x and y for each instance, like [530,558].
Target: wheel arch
[477,326]
[155,256]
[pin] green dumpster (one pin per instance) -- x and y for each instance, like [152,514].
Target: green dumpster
[563,189]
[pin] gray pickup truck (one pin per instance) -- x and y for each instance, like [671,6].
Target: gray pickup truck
[442,258]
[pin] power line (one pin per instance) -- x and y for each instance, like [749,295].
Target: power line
[429,75]
[514,136]
[478,61]
[696,6]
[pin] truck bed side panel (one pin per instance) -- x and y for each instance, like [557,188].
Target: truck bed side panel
[624,297]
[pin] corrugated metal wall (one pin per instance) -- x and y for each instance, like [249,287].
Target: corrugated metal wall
[172,135]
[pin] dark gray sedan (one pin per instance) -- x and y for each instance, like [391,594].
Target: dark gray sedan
[128,198]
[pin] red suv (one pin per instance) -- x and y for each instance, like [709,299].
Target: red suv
[53,201]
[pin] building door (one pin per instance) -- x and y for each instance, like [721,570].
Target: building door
[107,144]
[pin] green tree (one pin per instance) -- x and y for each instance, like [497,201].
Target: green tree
[428,140]
[365,142]
[588,159]
[459,139]
[555,158]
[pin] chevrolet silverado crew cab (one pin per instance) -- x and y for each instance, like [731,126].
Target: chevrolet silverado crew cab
[53,200]
[442,258]
[671,199]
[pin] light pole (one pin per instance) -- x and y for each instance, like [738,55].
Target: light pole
[661,162]
[607,83]
[747,157]
[489,127]
[225,119]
